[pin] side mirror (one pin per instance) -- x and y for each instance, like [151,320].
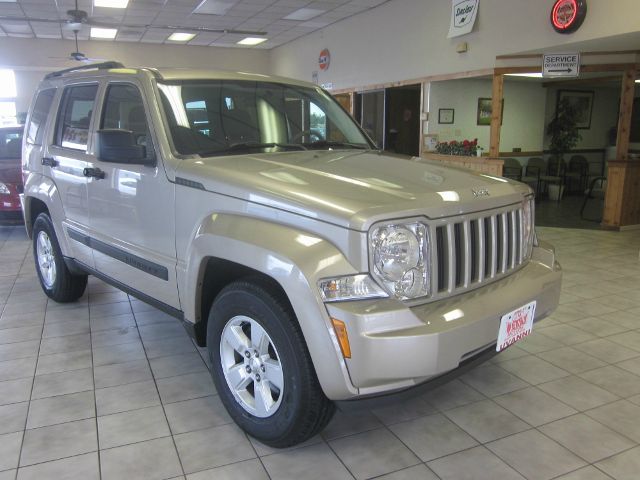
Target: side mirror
[119,146]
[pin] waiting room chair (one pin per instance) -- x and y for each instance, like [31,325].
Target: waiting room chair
[512,169]
[597,189]
[577,172]
[556,169]
[535,167]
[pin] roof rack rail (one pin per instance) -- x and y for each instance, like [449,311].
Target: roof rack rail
[89,66]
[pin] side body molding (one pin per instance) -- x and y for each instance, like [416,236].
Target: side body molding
[293,258]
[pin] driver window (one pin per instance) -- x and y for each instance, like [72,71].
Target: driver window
[123,109]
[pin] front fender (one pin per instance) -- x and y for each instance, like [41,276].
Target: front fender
[293,258]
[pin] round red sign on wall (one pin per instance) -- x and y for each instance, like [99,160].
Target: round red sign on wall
[324,59]
[568,15]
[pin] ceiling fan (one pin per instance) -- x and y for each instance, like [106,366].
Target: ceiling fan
[77,18]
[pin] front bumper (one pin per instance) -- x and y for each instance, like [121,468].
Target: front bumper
[395,347]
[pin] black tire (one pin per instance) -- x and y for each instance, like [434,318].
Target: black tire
[65,287]
[304,410]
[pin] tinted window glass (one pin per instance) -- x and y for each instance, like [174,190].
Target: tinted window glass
[124,109]
[35,130]
[10,144]
[75,116]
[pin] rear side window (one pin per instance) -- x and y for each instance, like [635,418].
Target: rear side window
[74,117]
[35,129]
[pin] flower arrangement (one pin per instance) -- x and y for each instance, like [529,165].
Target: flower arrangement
[465,148]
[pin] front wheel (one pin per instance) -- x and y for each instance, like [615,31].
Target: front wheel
[261,367]
[55,278]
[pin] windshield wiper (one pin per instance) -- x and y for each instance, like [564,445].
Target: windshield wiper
[242,146]
[328,144]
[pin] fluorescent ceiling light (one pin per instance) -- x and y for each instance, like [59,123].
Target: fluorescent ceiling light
[252,41]
[111,3]
[103,32]
[181,36]
[8,1]
[304,14]
[214,7]
[528,75]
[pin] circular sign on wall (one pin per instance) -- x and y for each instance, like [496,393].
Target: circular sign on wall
[568,15]
[324,59]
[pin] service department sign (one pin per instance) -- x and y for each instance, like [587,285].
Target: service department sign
[463,17]
[561,64]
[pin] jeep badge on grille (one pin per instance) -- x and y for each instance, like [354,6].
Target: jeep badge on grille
[480,192]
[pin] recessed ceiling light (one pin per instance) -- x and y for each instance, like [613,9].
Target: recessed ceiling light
[528,75]
[103,32]
[111,3]
[181,36]
[252,41]
[214,7]
[8,1]
[304,14]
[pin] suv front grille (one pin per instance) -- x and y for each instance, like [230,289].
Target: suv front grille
[472,250]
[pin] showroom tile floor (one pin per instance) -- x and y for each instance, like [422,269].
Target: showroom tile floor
[111,388]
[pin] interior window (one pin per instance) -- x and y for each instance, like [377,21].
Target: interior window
[75,117]
[123,109]
[35,129]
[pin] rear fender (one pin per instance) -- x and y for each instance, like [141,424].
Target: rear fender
[43,188]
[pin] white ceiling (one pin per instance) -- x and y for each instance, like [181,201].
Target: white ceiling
[254,15]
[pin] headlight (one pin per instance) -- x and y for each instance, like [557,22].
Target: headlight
[4,190]
[398,254]
[354,287]
[528,226]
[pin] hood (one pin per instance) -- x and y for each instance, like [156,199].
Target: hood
[351,188]
[10,171]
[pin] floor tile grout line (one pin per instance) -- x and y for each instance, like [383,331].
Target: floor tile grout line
[164,412]
[328,444]
[33,380]
[93,378]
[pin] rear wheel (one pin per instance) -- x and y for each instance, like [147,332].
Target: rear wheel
[261,366]
[55,278]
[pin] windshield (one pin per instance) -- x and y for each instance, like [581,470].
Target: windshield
[10,145]
[227,117]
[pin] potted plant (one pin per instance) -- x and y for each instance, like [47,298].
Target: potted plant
[465,148]
[564,135]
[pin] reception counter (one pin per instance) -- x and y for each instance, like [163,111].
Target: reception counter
[488,165]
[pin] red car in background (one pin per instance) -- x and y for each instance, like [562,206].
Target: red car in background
[10,174]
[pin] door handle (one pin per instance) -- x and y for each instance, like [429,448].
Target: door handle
[49,162]
[93,172]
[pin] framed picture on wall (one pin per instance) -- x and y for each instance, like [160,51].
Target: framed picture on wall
[582,100]
[485,108]
[446,115]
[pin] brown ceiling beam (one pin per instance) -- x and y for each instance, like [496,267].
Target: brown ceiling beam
[539,55]
[581,81]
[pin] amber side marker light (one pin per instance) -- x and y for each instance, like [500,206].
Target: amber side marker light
[343,338]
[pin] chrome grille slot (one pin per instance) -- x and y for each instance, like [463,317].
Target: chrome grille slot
[469,252]
[457,242]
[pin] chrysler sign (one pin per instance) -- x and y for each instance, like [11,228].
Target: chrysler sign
[463,17]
